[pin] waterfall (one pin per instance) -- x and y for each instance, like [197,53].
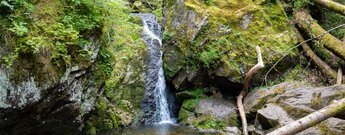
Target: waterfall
[155,104]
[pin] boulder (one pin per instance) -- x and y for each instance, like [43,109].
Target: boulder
[208,113]
[271,116]
[281,104]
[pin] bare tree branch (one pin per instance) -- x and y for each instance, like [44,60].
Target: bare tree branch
[244,91]
[339,76]
[311,119]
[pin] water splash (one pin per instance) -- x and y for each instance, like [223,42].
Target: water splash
[156,106]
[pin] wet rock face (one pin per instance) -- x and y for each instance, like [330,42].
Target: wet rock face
[27,108]
[281,104]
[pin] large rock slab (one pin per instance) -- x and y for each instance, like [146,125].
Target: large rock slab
[281,104]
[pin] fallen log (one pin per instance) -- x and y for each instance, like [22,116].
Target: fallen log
[244,91]
[334,6]
[310,26]
[311,119]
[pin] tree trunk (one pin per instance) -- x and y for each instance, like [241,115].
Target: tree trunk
[244,91]
[309,25]
[337,7]
[311,119]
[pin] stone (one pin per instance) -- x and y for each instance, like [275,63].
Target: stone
[218,108]
[281,104]
[333,125]
[272,116]
[181,81]
[256,99]
[232,131]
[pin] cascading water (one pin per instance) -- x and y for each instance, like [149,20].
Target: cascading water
[155,104]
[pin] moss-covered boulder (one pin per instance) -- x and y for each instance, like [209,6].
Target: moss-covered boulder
[218,38]
[208,113]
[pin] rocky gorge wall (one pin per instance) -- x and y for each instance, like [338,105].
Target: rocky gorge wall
[69,66]
[78,66]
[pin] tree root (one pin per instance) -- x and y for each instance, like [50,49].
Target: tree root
[244,91]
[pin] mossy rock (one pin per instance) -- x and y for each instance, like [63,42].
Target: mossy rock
[208,113]
[207,122]
[220,36]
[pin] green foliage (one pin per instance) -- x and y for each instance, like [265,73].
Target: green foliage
[62,28]
[330,20]
[300,3]
[209,57]
[198,93]
[121,47]
[5,4]
[190,104]
[19,28]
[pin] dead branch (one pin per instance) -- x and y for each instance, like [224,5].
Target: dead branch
[325,68]
[339,76]
[294,47]
[244,91]
[337,7]
[309,25]
[311,119]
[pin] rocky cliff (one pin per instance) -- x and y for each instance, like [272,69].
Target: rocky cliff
[67,65]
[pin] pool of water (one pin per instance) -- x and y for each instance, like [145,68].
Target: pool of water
[162,129]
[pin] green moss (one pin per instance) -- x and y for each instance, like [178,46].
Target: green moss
[208,122]
[122,52]
[233,120]
[184,115]
[225,43]
[89,130]
[316,101]
[296,113]
[324,129]
[190,104]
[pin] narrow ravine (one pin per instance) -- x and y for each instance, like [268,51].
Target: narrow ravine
[156,106]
